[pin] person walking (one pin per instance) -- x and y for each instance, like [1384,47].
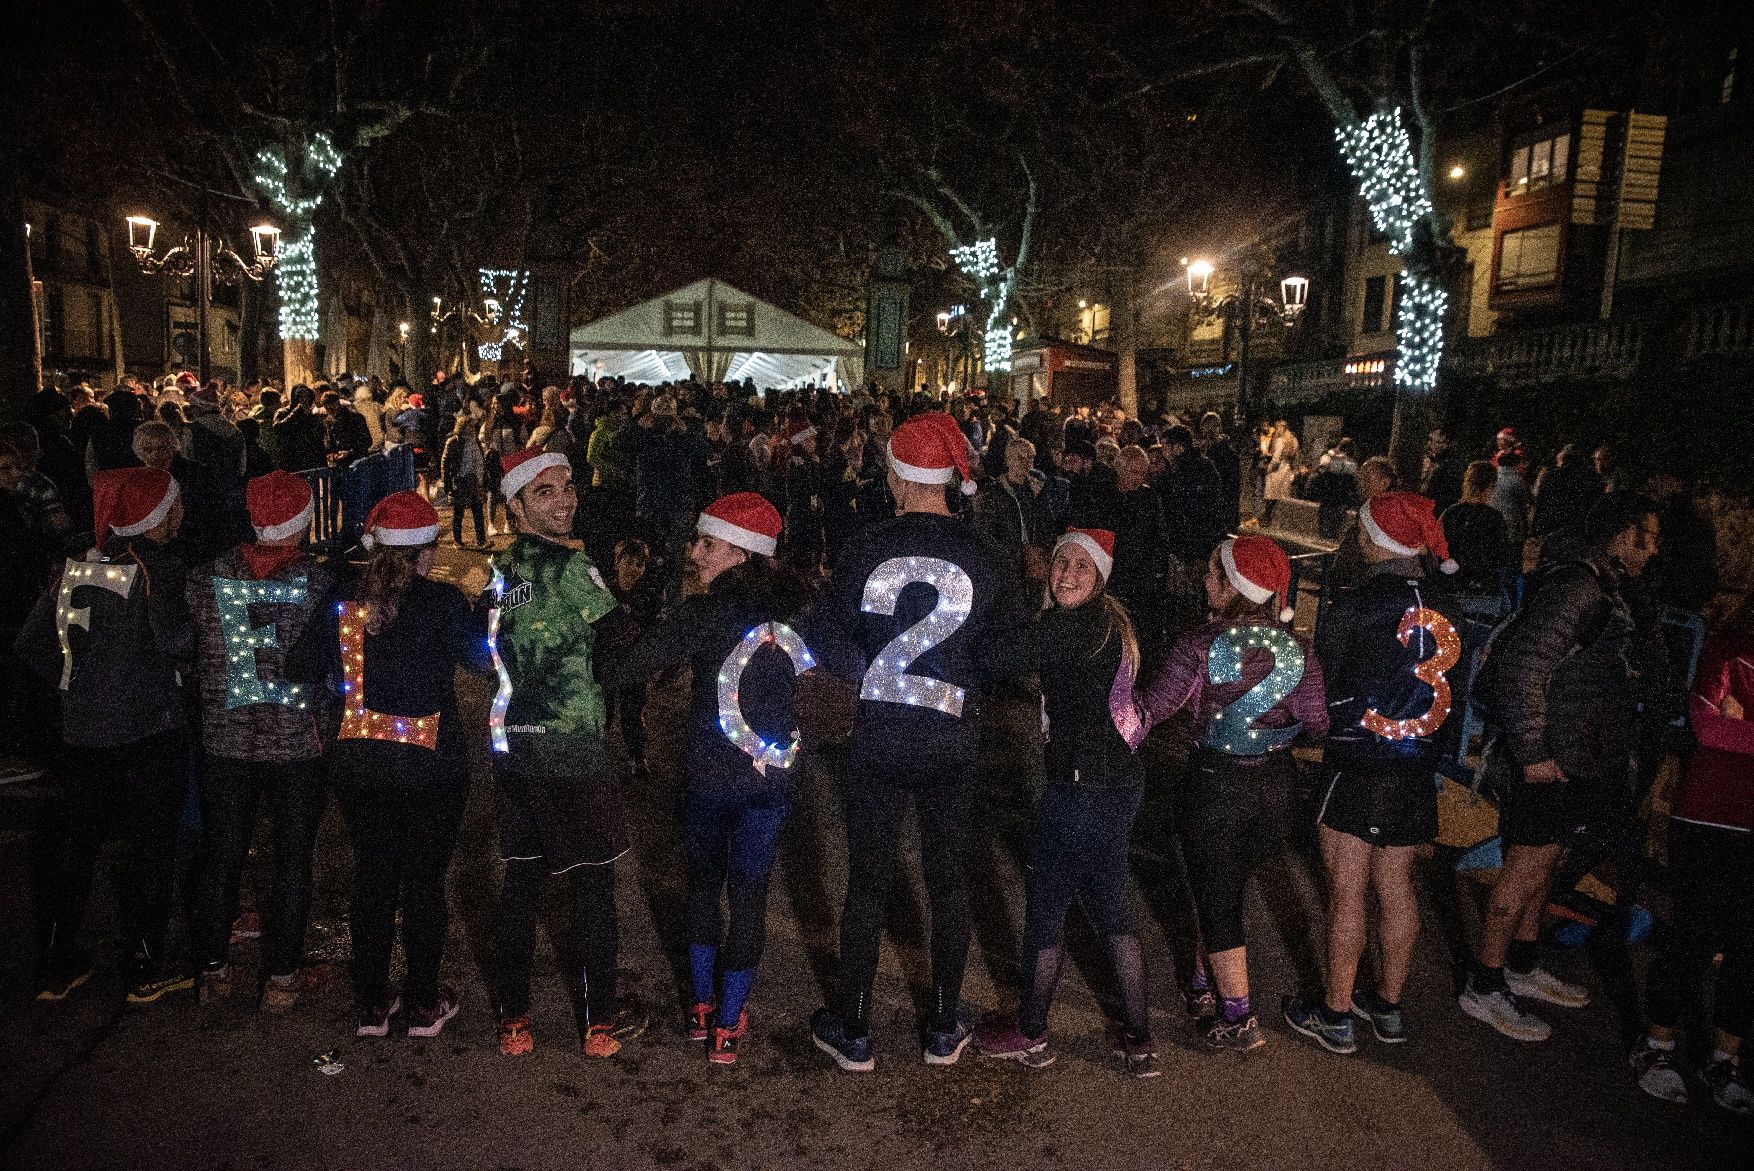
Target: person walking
[463,471]
[395,638]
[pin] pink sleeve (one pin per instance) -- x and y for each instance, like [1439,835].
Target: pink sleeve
[1705,706]
[1309,699]
[1178,681]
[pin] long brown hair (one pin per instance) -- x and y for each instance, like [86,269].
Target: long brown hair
[388,572]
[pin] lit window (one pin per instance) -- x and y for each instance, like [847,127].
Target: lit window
[1538,165]
[1529,258]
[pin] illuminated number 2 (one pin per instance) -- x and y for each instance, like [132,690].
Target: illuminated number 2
[118,579]
[1428,671]
[731,718]
[887,680]
[1233,729]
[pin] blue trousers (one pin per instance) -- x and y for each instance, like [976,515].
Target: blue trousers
[731,842]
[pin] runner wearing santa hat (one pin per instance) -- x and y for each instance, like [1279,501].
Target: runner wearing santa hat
[1087,653]
[1387,650]
[393,638]
[915,596]
[558,801]
[1254,687]
[742,744]
[113,634]
[259,733]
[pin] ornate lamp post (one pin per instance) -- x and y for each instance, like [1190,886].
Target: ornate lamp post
[195,257]
[1246,304]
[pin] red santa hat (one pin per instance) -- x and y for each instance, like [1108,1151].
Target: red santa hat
[186,381]
[280,505]
[130,501]
[1403,521]
[520,467]
[1259,570]
[1099,543]
[401,518]
[928,449]
[744,519]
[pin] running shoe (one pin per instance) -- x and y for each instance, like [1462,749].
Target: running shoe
[214,985]
[604,1038]
[1201,1004]
[944,1047]
[1659,1074]
[1335,1037]
[700,1015]
[1138,1058]
[598,1042]
[1727,1089]
[1236,1036]
[430,1022]
[1385,1019]
[247,925]
[1540,984]
[1003,1040]
[852,1054]
[150,983]
[14,771]
[60,975]
[374,1019]
[282,995]
[724,1050]
[1499,1008]
[515,1038]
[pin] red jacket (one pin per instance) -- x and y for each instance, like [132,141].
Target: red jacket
[1718,788]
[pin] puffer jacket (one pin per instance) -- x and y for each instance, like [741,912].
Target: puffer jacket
[129,644]
[1369,668]
[1560,677]
[249,710]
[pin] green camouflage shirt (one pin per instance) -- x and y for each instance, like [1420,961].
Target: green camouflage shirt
[549,595]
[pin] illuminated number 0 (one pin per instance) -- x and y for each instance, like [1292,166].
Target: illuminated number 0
[731,718]
[887,680]
[1233,729]
[1428,671]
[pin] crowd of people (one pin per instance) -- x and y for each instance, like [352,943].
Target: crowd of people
[929,555]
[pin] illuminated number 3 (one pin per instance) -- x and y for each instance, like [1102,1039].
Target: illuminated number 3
[731,718]
[1428,671]
[1233,729]
[887,680]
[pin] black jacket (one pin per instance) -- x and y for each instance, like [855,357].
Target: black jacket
[131,649]
[707,631]
[1367,667]
[1559,676]
[930,566]
[1194,514]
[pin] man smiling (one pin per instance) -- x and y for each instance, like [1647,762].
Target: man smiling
[559,809]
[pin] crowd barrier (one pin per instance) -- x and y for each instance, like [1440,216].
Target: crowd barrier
[342,497]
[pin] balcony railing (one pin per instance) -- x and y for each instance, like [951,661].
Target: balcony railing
[1720,329]
[1304,381]
[1599,350]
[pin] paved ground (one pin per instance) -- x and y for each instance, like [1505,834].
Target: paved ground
[86,1084]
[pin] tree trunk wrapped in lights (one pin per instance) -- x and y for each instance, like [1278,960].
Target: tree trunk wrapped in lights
[296,274]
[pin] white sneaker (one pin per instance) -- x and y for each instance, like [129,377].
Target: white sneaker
[1658,1075]
[1540,984]
[1727,1090]
[1500,1010]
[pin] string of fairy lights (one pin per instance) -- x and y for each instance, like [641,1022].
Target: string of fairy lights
[980,261]
[296,273]
[1380,156]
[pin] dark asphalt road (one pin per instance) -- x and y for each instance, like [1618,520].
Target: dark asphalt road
[86,1084]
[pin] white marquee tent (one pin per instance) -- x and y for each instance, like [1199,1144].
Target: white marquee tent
[714,332]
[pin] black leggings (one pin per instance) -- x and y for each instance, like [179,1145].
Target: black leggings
[593,900]
[231,791]
[135,792]
[1080,851]
[730,843]
[875,807]
[1712,871]
[1234,811]
[403,811]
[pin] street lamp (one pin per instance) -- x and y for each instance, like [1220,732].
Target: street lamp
[1245,305]
[194,257]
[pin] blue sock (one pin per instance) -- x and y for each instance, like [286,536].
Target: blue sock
[736,992]
[702,957]
[1201,982]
